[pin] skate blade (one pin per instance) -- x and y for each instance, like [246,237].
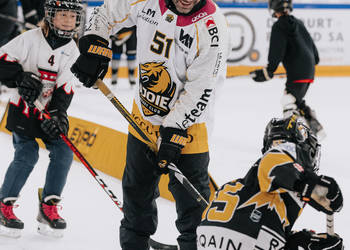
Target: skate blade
[46,230]
[10,232]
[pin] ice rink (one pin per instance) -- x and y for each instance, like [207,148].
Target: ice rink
[243,109]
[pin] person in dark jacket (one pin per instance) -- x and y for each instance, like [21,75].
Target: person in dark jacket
[291,44]
[36,64]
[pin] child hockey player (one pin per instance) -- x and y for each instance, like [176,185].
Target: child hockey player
[259,210]
[37,64]
[291,44]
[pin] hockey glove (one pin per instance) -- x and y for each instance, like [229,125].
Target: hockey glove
[92,64]
[261,75]
[56,125]
[29,87]
[172,142]
[308,239]
[309,188]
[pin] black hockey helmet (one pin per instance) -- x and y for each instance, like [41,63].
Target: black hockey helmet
[52,6]
[280,6]
[294,130]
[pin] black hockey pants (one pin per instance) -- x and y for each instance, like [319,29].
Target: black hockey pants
[140,189]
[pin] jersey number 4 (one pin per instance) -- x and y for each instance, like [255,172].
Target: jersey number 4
[51,60]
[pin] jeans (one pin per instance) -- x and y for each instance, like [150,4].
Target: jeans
[25,158]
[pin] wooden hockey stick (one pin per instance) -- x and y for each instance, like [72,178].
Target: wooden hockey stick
[125,113]
[153,145]
[319,195]
[330,224]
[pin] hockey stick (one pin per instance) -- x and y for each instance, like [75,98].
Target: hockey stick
[152,144]
[188,186]
[149,140]
[330,224]
[23,24]
[277,75]
[320,196]
[116,201]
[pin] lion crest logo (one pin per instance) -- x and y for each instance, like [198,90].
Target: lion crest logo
[157,89]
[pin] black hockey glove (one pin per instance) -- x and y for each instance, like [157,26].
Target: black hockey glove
[172,142]
[261,75]
[29,87]
[310,190]
[92,64]
[308,239]
[56,125]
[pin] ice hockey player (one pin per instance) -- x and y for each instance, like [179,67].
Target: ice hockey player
[37,64]
[124,42]
[259,210]
[291,44]
[181,54]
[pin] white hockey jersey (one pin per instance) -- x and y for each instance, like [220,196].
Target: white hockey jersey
[181,60]
[32,51]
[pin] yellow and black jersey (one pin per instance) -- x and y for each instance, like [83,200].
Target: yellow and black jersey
[257,211]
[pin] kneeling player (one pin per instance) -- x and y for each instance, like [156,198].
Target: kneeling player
[259,210]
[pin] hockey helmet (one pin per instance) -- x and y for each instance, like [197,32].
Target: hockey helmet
[280,6]
[52,6]
[294,130]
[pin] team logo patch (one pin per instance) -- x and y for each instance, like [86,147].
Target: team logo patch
[169,18]
[156,90]
[209,22]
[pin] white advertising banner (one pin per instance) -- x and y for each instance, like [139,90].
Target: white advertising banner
[250,33]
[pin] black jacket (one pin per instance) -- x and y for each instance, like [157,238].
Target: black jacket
[291,44]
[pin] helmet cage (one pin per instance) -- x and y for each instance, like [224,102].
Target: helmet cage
[52,7]
[294,130]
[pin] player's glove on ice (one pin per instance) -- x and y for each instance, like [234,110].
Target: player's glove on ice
[56,125]
[92,64]
[172,142]
[332,202]
[29,87]
[261,75]
[308,239]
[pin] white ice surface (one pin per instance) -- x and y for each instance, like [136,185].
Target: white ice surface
[243,109]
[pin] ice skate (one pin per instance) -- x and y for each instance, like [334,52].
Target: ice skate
[50,222]
[132,79]
[314,124]
[317,128]
[10,225]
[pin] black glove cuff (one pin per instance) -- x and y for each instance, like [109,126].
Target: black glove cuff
[93,45]
[174,136]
